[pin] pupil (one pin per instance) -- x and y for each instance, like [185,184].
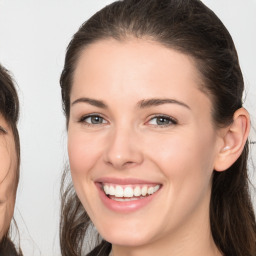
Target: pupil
[162,120]
[96,119]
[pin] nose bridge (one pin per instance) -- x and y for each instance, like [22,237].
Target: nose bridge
[122,149]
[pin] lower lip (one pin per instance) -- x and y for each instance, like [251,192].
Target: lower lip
[124,206]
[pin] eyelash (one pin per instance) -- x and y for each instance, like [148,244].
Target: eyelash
[83,119]
[171,121]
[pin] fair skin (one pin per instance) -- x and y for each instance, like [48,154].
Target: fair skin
[7,175]
[139,119]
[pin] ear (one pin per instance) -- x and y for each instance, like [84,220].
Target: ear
[233,140]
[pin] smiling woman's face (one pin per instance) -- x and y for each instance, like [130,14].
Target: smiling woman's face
[141,142]
[8,183]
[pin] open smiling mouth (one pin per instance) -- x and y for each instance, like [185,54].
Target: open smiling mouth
[124,193]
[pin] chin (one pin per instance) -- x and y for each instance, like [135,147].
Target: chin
[128,240]
[128,237]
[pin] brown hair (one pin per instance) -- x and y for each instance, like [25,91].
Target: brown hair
[9,109]
[190,27]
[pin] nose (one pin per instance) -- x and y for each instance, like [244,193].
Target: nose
[123,149]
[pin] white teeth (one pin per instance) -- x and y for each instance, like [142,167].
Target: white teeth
[111,191]
[156,188]
[119,191]
[106,189]
[129,192]
[150,190]
[144,190]
[137,191]
[124,199]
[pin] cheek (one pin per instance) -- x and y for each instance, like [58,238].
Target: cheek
[83,152]
[8,173]
[186,162]
[5,164]
[184,157]
[6,213]
[7,197]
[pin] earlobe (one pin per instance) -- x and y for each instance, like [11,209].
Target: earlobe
[234,138]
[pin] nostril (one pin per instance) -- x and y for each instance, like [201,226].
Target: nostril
[129,162]
[124,163]
[121,164]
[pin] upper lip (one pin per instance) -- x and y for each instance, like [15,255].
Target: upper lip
[124,181]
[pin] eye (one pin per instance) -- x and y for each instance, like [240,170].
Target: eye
[93,120]
[162,121]
[2,130]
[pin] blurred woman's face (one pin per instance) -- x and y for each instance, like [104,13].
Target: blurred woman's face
[8,167]
[141,143]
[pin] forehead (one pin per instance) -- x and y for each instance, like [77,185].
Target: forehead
[122,67]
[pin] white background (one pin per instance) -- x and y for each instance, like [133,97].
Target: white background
[33,38]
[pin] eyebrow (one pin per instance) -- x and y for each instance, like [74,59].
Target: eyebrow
[93,102]
[157,102]
[141,104]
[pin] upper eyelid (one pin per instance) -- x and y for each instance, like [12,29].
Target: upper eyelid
[162,115]
[91,115]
